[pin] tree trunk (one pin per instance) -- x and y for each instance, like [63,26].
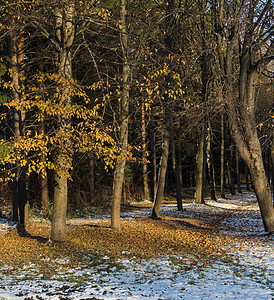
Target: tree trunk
[121,161]
[229,172]
[58,226]
[155,214]
[244,130]
[153,162]
[144,149]
[65,31]
[263,191]
[44,177]
[44,182]
[91,179]
[238,173]
[222,157]
[19,184]
[176,171]
[200,165]
[210,165]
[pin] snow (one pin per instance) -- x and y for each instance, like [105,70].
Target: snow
[250,275]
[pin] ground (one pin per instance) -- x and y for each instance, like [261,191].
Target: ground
[218,250]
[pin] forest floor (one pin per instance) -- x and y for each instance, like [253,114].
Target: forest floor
[218,250]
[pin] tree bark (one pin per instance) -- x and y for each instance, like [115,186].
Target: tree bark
[210,164]
[200,165]
[153,177]
[222,157]
[121,161]
[176,171]
[144,149]
[155,213]
[91,179]
[229,171]
[238,173]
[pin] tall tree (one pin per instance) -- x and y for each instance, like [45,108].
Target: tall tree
[123,132]
[248,34]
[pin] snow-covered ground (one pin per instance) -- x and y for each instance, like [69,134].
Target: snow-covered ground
[250,275]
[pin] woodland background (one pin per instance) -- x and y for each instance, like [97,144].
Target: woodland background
[105,102]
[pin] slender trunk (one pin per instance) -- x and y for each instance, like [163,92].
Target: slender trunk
[222,157]
[91,179]
[44,177]
[238,173]
[180,169]
[229,171]
[176,172]
[45,190]
[44,180]
[210,165]
[200,165]
[155,214]
[144,149]
[153,158]
[121,161]
[19,184]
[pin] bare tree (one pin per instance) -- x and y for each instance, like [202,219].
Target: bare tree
[248,35]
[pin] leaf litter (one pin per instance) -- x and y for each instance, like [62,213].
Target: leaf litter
[217,250]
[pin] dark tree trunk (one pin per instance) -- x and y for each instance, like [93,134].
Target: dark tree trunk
[19,185]
[229,166]
[153,163]
[210,165]
[176,172]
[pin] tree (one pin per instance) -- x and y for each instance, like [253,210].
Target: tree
[65,33]
[248,36]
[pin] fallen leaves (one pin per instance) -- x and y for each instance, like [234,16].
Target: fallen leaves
[140,238]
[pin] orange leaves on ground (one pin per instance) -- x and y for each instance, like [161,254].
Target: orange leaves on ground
[144,238]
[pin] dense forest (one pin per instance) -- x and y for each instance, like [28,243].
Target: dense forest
[104,102]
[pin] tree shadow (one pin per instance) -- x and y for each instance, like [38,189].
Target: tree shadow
[23,233]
